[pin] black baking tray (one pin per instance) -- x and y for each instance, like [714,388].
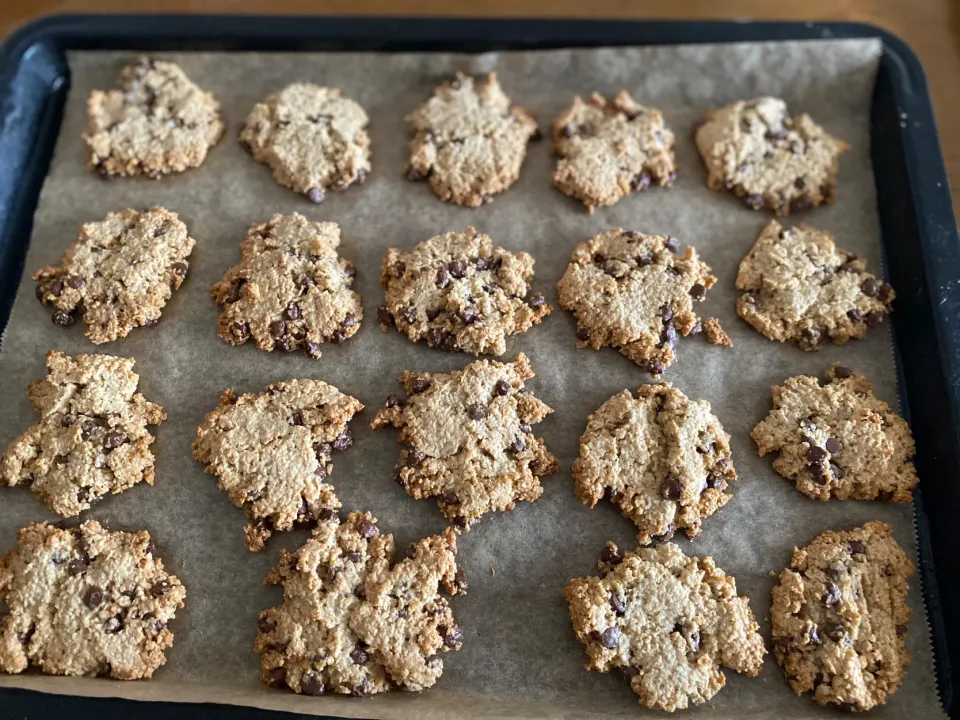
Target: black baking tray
[918,229]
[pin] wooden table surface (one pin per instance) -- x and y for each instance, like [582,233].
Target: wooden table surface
[931,27]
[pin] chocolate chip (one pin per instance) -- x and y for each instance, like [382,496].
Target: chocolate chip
[292,311]
[610,555]
[518,445]
[62,319]
[754,202]
[310,684]
[833,630]
[90,430]
[278,329]
[698,292]
[869,287]
[366,529]
[837,471]
[671,488]
[610,638]
[277,676]
[457,269]
[640,181]
[414,175]
[630,672]
[67,420]
[525,428]
[874,318]
[385,318]
[160,589]
[901,630]
[452,638]
[832,596]
[839,371]
[502,387]
[655,366]
[419,385]
[815,454]
[350,270]
[114,439]
[884,293]
[536,301]
[180,269]
[800,203]
[753,299]
[344,440]
[834,446]
[671,244]
[315,194]
[460,580]
[395,401]
[93,597]
[783,644]
[617,603]
[328,514]
[414,458]
[267,624]
[813,636]
[857,547]
[78,566]
[799,183]
[409,315]
[449,498]
[113,625]
[715,481]
[410,552]
[476,411]
[443,278]
[470,314]
[583,334]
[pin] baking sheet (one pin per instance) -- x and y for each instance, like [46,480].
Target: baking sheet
[520,657]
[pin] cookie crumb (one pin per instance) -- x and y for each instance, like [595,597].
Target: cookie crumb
[715,334]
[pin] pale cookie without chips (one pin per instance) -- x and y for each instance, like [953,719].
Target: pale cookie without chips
[469,439]
[608,149]
[662,458]
[460,292]
[291,289]
[119,273]
[770,160]
[633,292]
[355,620]
[159,122]
[314,139]
[91,439]
[468,141]
[86,601]
[668,621]
[837,440]
[271,453]
[840,616]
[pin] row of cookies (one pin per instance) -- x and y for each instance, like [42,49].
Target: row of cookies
[468,141]
[460,292]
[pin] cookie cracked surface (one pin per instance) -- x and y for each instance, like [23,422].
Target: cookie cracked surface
[356,621]
[86,601]
[459,291]
[119,273]
[840,616]
[608,149]
[271,453]
[633,292]
[291,289]
[662,458]
[468,438]
[468,141]
[91,439]
[838,440]
[769,159]
[668,621]
[314,139]
[159,122]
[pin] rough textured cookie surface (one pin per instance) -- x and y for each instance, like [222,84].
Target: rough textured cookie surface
[459,291]
[314,139]
[468,141]
[354,620]
[668,621]
[271,453]
[469,439]
[159,122]
[840,615]
[291,289]
[608,149]
[633,292]
[664,459]
[91,439]
[800,287]
[119,273]
[837,440]
[86,601]
[754,149]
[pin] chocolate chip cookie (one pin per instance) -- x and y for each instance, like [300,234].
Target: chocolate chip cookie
[356,621]
[291,289]
[86,601]
[119,273]
[314,139]
[608,149]
[91,439]
[271,453]
[668,621]
[459,292]
[800,287]
[468,141]
[756,150]
[158,122]
[837,440]
[469,439]
[634,292]
[840,617]
[664,459]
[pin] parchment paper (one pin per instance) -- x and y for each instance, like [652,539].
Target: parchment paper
[520,657]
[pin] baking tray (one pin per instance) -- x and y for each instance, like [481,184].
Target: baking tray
[918,229]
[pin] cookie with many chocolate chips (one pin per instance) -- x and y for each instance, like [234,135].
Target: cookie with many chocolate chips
[271,453]
[608,149]
[664,459]
[354,620]
[635,293]
[668,621]
[86,601]
[314,139]
[468,141]
[800,287]
[840,616]
[459,291]
[837,440]
[91,439]
[768,159]
[291,289]
[159,122]
[119,273]
[468,438]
